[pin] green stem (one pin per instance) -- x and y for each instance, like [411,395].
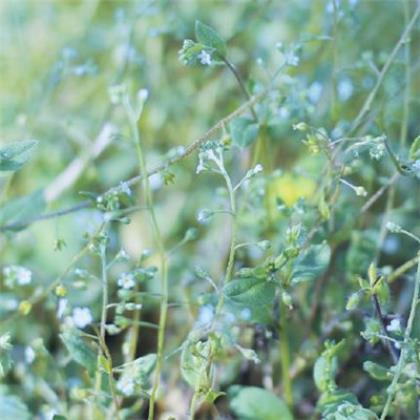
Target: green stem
[232,250]
[369,100]
[193,406]
[285,356]
[403,355]
[241,83]
[133,120]
[104,283]
[407,59]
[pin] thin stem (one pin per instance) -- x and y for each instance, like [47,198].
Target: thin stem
[133,120]
[104,283]
[369,100]
[407,59]
[193,406]
[403,269]
[403,355]
[111,383]
[238,77]
[285,356]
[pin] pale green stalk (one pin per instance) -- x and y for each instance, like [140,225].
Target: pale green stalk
[133,121]
[392,388]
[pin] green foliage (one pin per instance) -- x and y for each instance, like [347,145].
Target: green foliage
[210,38]
[243,131]
[16,213]
[249,402]
[15,155]
[79,350]
[12,407]
[253,295]
[311,264]
[214,219]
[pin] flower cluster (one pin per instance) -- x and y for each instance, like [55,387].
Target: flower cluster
[17,275]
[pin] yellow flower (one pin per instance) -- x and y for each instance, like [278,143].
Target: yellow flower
[289,188]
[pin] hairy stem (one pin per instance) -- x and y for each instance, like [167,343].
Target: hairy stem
[369,100]
[241,83]
[403,355]
[133,120]
[285,356]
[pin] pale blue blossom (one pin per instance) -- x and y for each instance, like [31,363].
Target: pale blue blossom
[82,317]
[204,57]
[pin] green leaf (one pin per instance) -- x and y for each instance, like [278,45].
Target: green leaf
[18,212]
[415,149]
[207,36]
[348,410]
[15,155]
[79,350]
[326,366]
[252,294]
[253,403]
[12,407]
[58,417]
[143,368]
[138,373]
[6,361]
[244,131]
[342,405]
[312,263]
[194,364]
[376,371]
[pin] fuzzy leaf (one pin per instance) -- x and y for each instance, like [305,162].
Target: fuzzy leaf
[12,407]
[312,263]
[15,155]
[252,294]
[253,403]
[207,36]
[376,371]
[19,211]
[244,131]
[194,364]
[415,149]
[79,350]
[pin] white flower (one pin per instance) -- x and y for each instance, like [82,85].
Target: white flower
[204,216]
[345,89]
[315,92]
[124,188]
[142,95]
[5,341]
[126,281]
[393,227]
[204,57]
[82,317]
[62,304]
[122,255]
[15,273]
[126,385]
[29,355]
[156,181]
[394,326]
[24,276]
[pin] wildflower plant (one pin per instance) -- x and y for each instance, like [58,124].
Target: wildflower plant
[267,268]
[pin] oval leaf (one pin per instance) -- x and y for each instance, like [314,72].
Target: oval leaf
[15,155]
[207,36]
[243,131]
[79,350]
[312,263]
[250,402]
